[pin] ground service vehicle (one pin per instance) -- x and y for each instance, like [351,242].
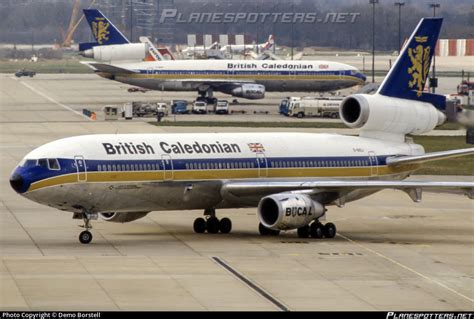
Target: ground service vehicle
[221,107]
[314,106]
[161,109]
[24,72]
[199,107]
[179,107]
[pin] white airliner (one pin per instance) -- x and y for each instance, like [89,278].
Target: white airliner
[290,177]
[240,78]
[240,48]
[199,49]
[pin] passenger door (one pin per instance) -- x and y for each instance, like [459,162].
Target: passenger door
[373,162]
[262,165]
[167,167]
[81,168]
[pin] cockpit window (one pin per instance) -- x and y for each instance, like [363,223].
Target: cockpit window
[49,163]
[43,162]
[53,163]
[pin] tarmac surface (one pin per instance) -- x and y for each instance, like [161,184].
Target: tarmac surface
[390,253]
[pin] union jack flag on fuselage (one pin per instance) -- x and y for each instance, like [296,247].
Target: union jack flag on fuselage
[256,147]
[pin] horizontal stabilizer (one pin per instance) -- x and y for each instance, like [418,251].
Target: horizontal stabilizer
[108,68]
[418,159]
[87,46]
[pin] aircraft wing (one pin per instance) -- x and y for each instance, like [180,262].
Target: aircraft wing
[418,159]
[107,68]
[412,188]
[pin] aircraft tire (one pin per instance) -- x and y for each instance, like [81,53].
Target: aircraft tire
[264,231]
[329,230]
[225,225]
[316,230]
[199,225]
[85,237]
[213,225]
[303,232]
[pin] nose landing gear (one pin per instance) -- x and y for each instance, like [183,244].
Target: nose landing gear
[212,224]
[85,237]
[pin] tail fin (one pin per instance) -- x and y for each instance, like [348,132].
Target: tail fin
[153,53]
[104,32]
[270,42]
[407,78]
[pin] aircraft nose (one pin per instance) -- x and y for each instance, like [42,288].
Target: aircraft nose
[17,182]
[362,76]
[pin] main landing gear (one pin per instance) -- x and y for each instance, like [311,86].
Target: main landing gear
[206,96]
[316,230]
[212,224]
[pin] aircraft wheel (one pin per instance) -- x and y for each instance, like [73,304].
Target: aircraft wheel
[316,230]
[264,231]
[213,225]
[199,225]
[329,230]
[303,232]
[225,225]
[85,237]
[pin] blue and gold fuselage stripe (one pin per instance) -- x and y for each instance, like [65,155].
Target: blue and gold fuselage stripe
[250,74]
[209,169]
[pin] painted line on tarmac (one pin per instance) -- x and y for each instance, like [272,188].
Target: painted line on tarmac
[250,284]
[393,261]
[64,106]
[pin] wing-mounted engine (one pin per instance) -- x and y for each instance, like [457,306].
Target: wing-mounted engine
[122,217]
[117,52]
[288,211]
[379,113]
[249,91]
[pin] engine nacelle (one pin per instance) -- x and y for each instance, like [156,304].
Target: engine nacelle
[388,114]
[249,91]
[288,211]
[117,52]
[122,217]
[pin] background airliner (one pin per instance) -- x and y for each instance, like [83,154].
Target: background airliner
[123,177]
[258,48]
[112,45]
[141,64]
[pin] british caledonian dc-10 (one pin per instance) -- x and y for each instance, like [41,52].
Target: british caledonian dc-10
[123,177]
[240,78]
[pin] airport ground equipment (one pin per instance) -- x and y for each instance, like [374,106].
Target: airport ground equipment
[314,106]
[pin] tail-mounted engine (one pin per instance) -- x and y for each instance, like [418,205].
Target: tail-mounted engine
[288,211]
[388,114]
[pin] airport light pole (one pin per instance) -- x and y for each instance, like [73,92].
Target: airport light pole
[373,3]
[434,80]
[292,29]
[131,20]
[400,5]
